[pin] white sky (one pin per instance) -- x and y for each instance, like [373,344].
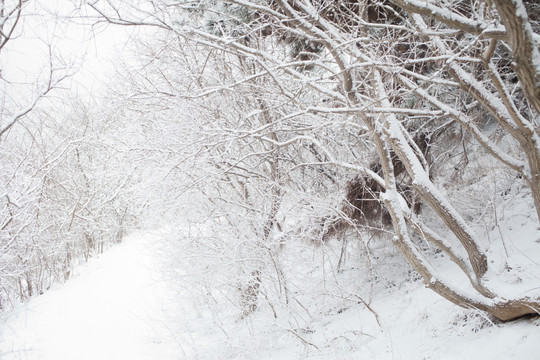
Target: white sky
[90,49]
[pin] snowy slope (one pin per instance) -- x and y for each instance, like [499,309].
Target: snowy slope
[151,299]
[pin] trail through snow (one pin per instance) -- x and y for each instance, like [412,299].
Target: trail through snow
[150,298]
[114,308]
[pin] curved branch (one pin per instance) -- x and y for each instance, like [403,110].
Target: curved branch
[526,53]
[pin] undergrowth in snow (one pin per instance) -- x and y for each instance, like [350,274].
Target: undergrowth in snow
[166,295]
[174,294]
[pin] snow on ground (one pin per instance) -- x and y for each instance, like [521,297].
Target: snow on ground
[112,309]
[150,298]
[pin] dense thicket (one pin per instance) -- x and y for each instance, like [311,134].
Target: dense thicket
[282,122]
[312,119]
[67,181]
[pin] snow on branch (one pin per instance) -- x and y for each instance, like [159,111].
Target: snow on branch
[525,49]
[452,19]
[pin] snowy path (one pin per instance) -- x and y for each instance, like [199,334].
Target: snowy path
[148,299]
[112,309]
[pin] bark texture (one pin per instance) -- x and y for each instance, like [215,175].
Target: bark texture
[524,48]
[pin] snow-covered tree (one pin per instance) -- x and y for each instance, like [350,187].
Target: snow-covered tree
[379,89]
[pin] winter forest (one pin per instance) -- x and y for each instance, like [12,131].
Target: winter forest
[269,179]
